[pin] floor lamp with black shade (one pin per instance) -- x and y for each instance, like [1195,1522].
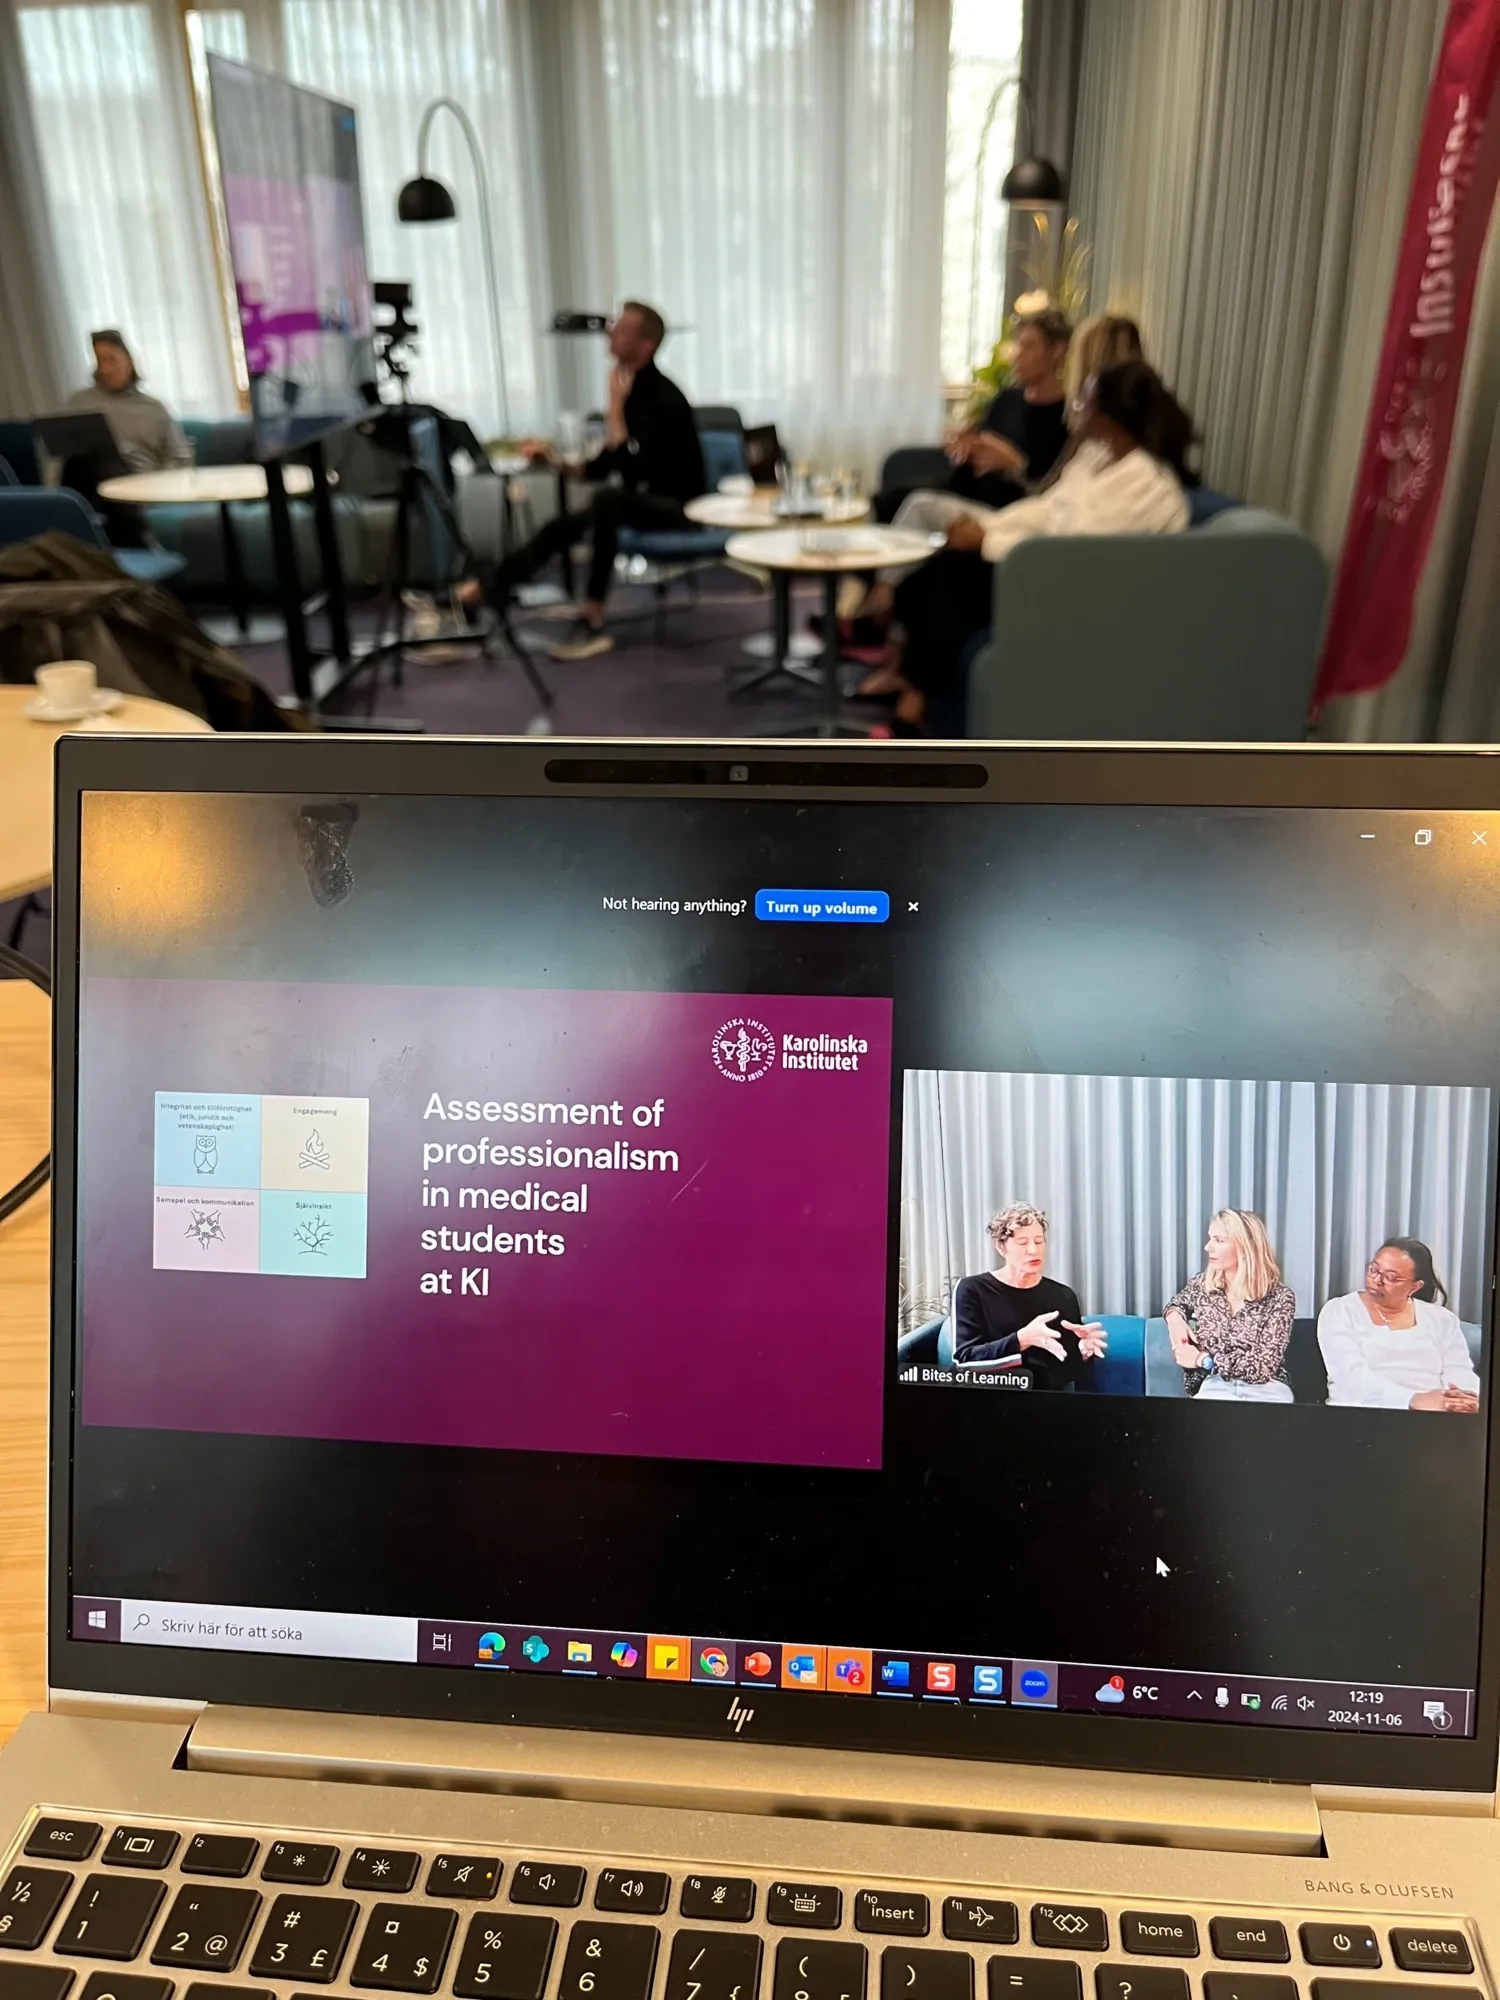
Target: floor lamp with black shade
[1033,181]
[427,199]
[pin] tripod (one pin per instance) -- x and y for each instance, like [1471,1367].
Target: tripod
[412,437]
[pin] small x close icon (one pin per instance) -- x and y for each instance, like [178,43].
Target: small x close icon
[1480,839]
[910,907]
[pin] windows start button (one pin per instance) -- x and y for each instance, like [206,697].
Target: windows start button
[822,906]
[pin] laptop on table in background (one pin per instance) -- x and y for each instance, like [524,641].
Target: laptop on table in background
[525,1524]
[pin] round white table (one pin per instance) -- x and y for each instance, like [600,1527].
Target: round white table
[781,647]
[26,777]
[789,552]
[743,512]
[221,486]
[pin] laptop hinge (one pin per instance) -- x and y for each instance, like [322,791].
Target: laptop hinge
[765,1778]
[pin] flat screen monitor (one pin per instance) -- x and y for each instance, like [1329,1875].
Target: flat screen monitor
[289,170]
[990,1257]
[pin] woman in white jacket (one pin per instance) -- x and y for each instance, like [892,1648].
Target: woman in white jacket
[1392,1345]
[1126,477]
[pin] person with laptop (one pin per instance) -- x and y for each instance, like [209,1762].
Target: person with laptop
[1394,1344]
[1018,1319]
[1230,1325]
[650,446]
[149,437]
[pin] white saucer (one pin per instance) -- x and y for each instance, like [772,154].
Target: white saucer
[100,702]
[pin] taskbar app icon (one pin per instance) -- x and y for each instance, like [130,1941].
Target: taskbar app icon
[804,1666]
[759,1663]
[851,1670]
[713,1660]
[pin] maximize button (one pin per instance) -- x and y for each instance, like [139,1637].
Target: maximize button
[1431,1951]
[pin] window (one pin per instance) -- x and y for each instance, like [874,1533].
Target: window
[984,49]
[120,164]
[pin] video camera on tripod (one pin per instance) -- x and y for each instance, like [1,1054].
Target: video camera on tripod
[396,337]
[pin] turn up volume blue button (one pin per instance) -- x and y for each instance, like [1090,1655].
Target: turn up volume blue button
[822,906]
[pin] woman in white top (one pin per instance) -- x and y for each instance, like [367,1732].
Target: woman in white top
[1126,477]
[1392,1346]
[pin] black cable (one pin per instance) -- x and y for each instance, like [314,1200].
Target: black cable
[25,968]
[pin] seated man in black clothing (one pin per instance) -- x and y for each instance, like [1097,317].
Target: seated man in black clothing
[1016,442]
[1014,1320]
[651,442]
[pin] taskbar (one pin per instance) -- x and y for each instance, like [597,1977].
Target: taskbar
[965,1680]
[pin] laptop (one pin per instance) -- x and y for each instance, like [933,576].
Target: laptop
[522,1523]
[67,435]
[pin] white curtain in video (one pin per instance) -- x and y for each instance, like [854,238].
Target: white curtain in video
[1129,1169]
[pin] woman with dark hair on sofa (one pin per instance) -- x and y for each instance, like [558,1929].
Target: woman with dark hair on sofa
[1394,1344]
[1015,1318]
[1230,1325]
[1127,477]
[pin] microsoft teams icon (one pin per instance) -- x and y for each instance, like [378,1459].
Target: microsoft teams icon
[895,1674]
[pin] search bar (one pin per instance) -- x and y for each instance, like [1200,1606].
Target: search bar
[239,1628]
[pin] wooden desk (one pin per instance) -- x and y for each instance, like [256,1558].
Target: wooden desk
[26,779]
[25,1026]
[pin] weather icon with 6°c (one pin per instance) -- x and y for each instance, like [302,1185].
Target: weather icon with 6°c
[1112,1691]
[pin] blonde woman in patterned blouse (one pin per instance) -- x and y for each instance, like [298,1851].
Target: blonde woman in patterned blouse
[1230,1325]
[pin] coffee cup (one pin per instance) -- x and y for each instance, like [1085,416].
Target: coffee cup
[68,686]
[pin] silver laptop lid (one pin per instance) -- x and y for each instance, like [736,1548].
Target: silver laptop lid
[986,1254]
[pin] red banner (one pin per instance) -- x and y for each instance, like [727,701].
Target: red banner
[1410,426]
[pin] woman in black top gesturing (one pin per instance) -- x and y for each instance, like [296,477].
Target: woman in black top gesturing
[1016,1319]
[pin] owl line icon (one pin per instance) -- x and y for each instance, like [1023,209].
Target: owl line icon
[206,1153]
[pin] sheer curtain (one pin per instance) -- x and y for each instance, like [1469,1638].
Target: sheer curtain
[775,179]
[112,115]
[1129,1169]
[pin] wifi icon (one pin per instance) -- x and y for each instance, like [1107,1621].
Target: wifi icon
[1280,1702]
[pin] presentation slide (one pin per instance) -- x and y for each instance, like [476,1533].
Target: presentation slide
[565,1221]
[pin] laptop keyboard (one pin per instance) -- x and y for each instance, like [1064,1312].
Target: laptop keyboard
[90,1912]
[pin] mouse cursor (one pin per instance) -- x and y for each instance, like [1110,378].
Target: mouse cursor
[1161,1568]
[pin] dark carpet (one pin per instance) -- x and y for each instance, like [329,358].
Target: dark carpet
[680,687]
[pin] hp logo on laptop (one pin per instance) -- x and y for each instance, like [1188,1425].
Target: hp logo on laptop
[739,1715]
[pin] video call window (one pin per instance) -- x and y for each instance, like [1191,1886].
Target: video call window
[1246,1241]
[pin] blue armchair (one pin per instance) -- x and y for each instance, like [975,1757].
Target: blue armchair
[660,555]
[27,511]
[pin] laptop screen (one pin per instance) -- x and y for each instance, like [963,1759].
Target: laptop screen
[909,1272]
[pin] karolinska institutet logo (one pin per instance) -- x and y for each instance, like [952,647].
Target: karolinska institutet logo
[745,1050]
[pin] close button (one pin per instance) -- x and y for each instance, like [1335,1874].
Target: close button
[1340,1944]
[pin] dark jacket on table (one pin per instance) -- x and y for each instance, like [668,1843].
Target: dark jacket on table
[662,454]
[62,600]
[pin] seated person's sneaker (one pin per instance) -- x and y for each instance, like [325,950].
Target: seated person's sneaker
[582,643]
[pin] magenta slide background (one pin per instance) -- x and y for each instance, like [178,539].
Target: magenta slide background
[735,1310]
